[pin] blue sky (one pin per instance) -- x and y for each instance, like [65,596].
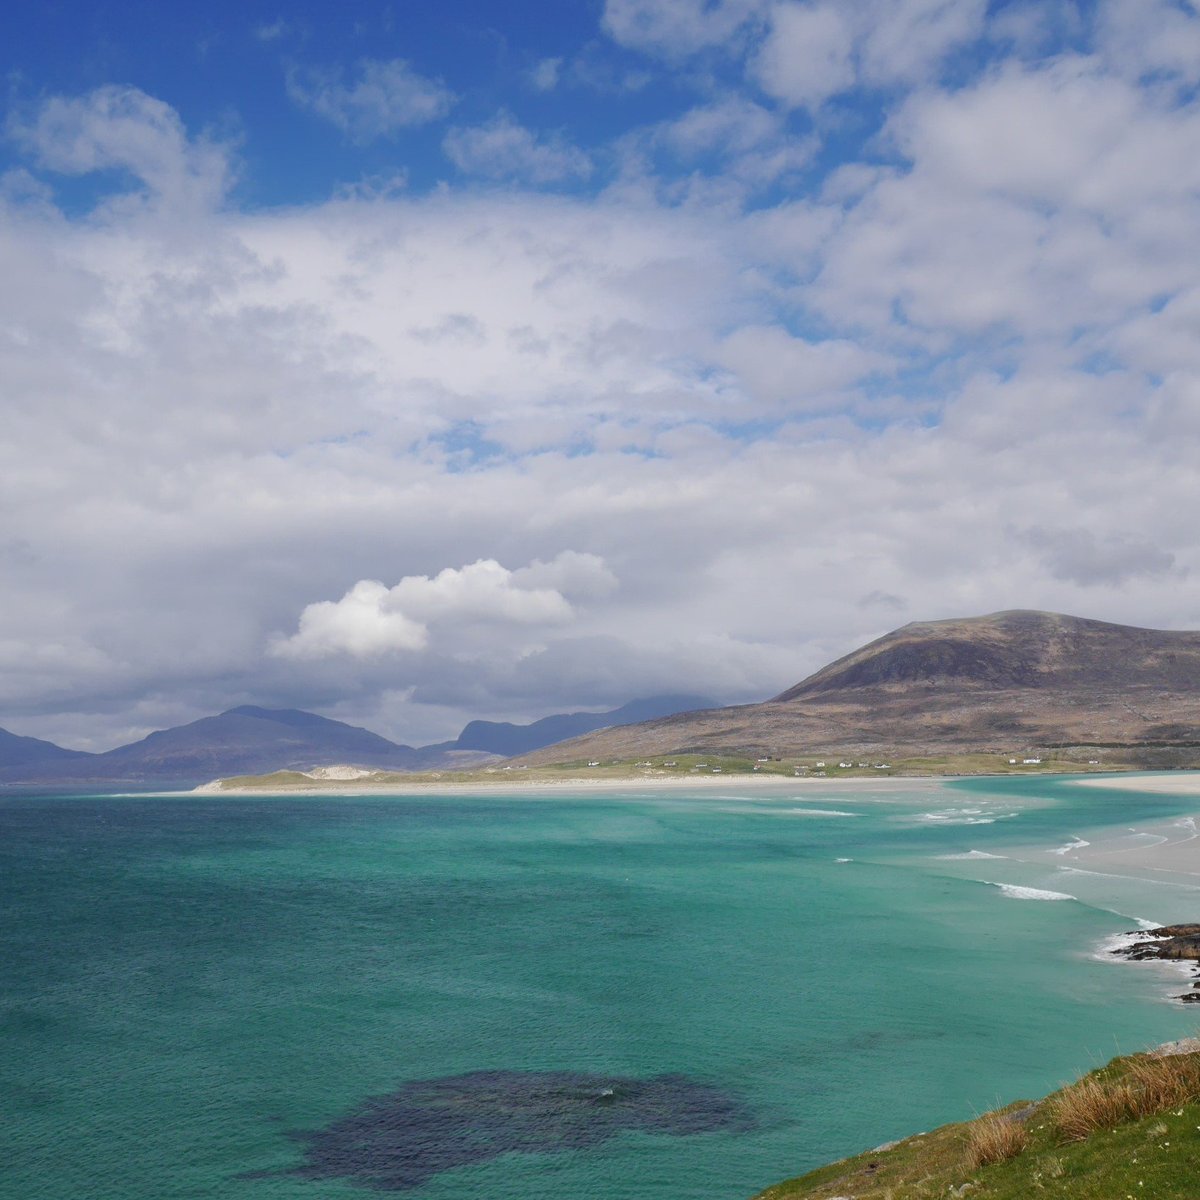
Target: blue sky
[422,363]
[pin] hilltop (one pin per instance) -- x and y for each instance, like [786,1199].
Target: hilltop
[1009,682]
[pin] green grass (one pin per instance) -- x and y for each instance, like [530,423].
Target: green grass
[1131,1129]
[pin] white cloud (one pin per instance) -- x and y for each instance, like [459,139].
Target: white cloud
[504,149]
[379,98]
[371,619]
[814,51]
[214,427]
[796,374]
[362,623]
[808,56]
[1150,38]
[674,28]
[122,127]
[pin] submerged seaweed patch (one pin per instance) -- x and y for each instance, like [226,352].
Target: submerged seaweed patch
[401,1140]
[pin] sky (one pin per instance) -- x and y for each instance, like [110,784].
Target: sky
[416,363]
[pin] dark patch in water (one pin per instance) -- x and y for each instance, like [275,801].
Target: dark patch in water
[399,1141]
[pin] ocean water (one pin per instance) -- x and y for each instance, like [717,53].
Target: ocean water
[650,996]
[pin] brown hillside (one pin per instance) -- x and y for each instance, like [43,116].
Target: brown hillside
[1004,682]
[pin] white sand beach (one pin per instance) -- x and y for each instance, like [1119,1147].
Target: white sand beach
[1175,783]
[338,785]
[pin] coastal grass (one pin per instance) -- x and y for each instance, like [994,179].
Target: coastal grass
[676,766]
[1131,1128]
[994,1139]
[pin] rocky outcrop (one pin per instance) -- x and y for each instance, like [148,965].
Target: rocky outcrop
[1171,943]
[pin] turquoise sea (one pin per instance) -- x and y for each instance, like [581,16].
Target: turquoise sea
[648,995]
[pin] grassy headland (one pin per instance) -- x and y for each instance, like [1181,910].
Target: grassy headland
[1130,1129]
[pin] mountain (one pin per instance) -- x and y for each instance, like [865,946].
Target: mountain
[506,739]
[18,751]
[249,740]
[240,741]
[999,683]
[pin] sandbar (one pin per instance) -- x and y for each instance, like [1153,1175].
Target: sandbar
[618,785]
[1176,783]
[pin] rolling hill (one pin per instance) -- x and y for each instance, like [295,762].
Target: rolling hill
[1007,682]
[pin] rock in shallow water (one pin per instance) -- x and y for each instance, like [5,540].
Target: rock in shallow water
[399,1141]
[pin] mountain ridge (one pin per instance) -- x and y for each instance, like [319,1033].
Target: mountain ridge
[1013,680]
[250,739]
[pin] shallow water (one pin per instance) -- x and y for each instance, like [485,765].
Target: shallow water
[196,990]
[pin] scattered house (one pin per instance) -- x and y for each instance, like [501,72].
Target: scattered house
[670,764]
[595,762]
[716,770]
[820,764]
[1012,761]
[1031,761]
[844,765]
[764,760]
[883,766]
[819,772]
[1093,762]
[701,766]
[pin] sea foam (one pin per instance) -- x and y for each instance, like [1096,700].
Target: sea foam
[1076,843]
[1015,892]
[969,854]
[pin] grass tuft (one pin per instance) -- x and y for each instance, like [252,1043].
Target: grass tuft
[1162,1083]
[994,1139]
[1148,1086]
[1091,1104]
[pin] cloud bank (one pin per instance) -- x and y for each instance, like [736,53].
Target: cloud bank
[737,402]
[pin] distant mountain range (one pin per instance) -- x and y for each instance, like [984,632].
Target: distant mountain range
[505,740]
[1008,681]
[251,740]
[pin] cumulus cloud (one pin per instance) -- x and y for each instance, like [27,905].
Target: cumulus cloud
[503,149]
[814,51]
[372,619]
[377,99]
[363,623]
[124,128]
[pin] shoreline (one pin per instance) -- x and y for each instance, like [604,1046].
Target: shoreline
[1186,783]
[626,784]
